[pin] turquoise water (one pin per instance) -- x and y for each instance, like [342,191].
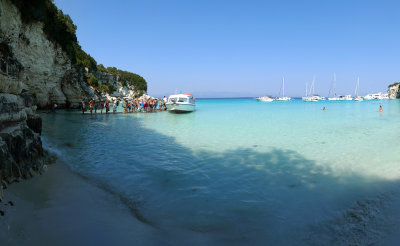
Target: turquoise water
[237,171]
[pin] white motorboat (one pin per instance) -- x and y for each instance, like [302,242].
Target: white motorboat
[357,98]
[181,103]
[264,99]
[346,98]
[376,96]
[283,98]
[310,99]
[319,98]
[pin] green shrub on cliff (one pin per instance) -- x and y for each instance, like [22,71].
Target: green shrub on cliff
[129,78]
[100,67]
[92,80]
[105,88]
[84,59]
[394,84]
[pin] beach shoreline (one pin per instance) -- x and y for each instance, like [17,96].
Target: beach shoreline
[61,208]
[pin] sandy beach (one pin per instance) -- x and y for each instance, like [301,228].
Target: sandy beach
[61,208]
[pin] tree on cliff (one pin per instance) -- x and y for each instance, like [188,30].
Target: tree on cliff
[129,78]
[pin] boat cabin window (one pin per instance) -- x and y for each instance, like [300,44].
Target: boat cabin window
[190,99]
[183,99]
[172,99]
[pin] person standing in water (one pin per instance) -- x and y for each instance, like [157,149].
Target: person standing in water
[380,108]
[91,104]
[107,106]
[115,105]
[101,107]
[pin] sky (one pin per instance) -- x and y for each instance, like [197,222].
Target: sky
[228,48]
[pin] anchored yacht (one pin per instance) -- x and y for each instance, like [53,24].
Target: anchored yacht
[283,98]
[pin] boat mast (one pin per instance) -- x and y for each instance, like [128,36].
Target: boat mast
[334,83]
[306,90]
[283,86]
[312,87]
[357,85]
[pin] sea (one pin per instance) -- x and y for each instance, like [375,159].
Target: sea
[242,172]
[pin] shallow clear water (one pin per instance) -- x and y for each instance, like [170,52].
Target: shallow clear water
[236,171]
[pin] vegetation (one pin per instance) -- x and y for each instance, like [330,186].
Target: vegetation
[60,29]
[92,80]
[128,78]
[105,88]
[102,68]
[394,84]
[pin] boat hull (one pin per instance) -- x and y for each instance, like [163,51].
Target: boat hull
[283,99]
[264,99]
[180,107]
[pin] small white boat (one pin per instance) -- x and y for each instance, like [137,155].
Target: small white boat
[319,98]
[376,96]
[358,99]
[346,98]
[283,98]
[310,99]
[264,99]
[181,103]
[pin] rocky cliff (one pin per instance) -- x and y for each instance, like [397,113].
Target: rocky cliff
[45,66]
[394,91]
[47,71]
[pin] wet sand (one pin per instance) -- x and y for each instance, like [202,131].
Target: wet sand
[61,208]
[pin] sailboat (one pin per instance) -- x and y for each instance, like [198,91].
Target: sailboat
[335,98]
[283,98]
[338,98]
[310,97]
[357,98]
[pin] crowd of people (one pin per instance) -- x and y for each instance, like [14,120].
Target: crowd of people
[129,106]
